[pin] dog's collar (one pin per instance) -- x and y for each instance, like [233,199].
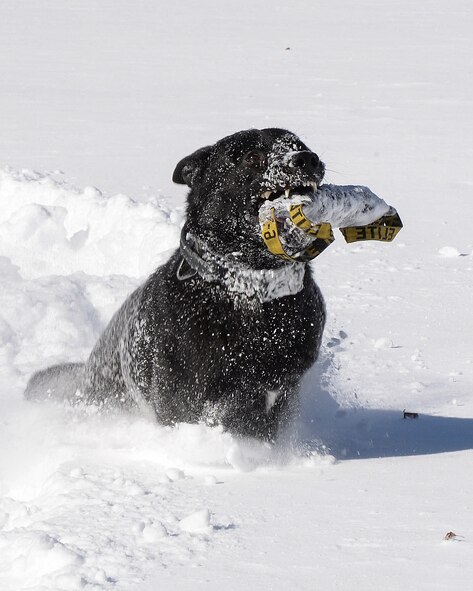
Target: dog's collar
[264,285]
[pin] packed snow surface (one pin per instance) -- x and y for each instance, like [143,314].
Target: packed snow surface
[112,94]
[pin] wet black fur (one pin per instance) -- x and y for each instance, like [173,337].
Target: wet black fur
[190,349]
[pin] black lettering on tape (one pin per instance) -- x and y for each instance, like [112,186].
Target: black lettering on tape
[269,234]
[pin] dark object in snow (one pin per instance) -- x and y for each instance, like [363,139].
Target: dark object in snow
[410,415]
[451,536]
[224,331]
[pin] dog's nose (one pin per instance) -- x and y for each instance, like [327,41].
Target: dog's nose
[306,160]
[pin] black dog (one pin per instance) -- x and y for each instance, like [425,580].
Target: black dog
[225,330]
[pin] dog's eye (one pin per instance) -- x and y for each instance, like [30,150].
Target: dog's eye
[255,159]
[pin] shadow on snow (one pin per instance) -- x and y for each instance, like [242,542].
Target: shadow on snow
[350,433]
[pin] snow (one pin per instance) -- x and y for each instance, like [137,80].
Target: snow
[48,227]
[112,95]
[198,522]
[449,251]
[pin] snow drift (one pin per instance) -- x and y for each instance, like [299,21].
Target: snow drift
[48,227]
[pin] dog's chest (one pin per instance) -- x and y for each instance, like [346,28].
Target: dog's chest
[192,338]
[238,338]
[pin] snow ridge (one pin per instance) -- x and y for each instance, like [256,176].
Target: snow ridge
[49,227]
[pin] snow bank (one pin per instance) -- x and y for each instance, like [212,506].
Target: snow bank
[52,319]
[49,227]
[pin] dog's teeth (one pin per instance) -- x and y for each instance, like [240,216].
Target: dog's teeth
[287,192]
[266,194]
[313,184]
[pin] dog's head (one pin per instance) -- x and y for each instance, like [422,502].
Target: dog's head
[231,179]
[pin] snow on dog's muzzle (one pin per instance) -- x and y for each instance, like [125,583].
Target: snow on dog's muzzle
[299,228]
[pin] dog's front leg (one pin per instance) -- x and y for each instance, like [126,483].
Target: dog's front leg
[260,411]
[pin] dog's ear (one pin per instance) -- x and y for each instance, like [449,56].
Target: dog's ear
[189,167]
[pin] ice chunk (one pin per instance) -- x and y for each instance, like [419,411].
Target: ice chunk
[198,522]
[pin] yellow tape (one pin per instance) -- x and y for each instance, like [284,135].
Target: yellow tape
[322,230]
[270,235]
[384,229]
[322,233]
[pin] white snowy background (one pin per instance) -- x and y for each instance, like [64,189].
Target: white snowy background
[111,94]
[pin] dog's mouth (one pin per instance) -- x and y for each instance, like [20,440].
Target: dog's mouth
[280,234]
[306,188]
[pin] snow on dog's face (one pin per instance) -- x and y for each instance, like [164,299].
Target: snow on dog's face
[230,180]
